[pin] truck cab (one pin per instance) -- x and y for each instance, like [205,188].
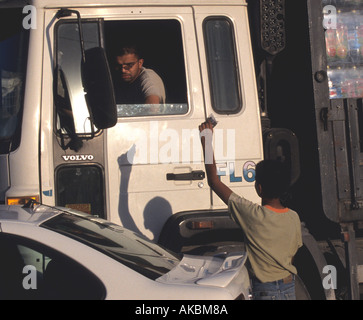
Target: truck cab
[144,164]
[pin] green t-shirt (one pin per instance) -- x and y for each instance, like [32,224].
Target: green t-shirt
[273,237]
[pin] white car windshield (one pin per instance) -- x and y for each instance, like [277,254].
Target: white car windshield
[125,246]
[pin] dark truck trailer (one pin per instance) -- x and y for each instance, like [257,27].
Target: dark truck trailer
[309,67]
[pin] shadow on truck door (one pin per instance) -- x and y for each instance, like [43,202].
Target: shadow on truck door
[157,210]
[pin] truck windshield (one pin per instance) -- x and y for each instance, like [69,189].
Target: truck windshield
[13,58]
[127,247]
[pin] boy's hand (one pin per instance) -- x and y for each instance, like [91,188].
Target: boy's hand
[206,125]
[206,130]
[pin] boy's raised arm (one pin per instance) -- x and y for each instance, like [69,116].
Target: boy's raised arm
[222,191]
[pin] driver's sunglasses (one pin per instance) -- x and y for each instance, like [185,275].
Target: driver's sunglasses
[126,66]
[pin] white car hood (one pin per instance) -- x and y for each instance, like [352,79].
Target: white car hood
[207,271]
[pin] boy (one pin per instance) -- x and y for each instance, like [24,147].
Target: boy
[273,232]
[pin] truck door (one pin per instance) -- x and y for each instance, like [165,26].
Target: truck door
[230,94]
[154,159]
[153,153]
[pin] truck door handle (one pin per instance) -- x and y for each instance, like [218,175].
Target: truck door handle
[194,175]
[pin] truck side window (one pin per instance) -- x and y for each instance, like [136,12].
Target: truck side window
[158,45]
[222,65]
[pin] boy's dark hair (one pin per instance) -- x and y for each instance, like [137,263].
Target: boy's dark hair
[274,178]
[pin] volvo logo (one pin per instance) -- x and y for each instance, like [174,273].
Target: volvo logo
[78,157]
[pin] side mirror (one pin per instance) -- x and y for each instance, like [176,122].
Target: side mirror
[98,86]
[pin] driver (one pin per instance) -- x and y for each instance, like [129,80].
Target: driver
[135,84]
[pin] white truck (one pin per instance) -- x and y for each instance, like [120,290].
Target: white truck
[65,141]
